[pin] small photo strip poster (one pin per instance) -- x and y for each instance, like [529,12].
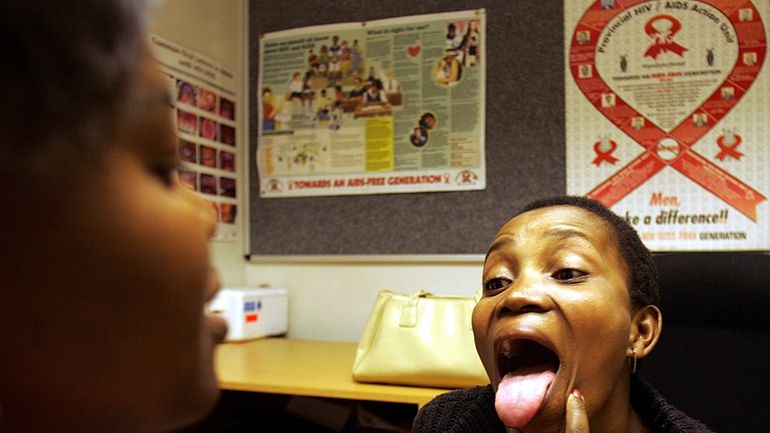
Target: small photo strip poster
[205,117]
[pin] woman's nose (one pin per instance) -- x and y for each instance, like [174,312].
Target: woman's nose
[525,295]
[205,211]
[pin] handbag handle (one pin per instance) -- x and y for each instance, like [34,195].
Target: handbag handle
[408,317]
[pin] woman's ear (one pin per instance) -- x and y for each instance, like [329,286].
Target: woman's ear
[645,331]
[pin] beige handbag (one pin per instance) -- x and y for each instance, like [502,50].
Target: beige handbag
[421,340]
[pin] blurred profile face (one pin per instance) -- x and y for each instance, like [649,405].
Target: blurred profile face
[106,330]
[555,305]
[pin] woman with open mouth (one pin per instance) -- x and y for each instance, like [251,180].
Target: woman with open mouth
[569,306]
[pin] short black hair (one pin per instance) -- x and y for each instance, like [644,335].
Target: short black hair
[67,69]
[643,285]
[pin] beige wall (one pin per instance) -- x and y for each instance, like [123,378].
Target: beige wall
[331,301]
[214,28]
[327,300]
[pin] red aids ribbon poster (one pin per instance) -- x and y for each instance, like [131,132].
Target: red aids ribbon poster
[667,114]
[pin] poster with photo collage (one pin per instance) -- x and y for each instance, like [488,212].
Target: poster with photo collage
[205,119]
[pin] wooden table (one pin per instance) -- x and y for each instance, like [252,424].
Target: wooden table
[306,368]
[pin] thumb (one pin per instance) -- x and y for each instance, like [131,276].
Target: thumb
[576,418]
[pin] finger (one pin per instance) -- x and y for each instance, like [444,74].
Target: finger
[577,418]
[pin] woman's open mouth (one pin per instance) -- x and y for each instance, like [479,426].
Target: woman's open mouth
[527,369]
[520,354]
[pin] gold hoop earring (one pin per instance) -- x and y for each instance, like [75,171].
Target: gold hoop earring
[632,362]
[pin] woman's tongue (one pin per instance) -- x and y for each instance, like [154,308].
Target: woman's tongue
[521,393]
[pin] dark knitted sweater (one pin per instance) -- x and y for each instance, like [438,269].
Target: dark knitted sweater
[473,411]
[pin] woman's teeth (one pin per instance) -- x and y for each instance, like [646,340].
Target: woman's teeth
[506,349]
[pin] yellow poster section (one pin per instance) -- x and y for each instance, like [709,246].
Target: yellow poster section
[379,144]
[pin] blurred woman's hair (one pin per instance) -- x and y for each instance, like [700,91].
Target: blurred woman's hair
[64,82]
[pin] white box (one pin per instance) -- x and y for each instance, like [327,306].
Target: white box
[251,312]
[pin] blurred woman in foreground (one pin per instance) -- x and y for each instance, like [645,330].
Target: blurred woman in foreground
[105,268]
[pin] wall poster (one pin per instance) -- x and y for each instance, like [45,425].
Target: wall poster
[204,113]
[667,114]
[389,106]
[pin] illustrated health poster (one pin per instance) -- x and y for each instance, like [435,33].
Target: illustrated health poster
[668,118]
[389,106]
[204,112]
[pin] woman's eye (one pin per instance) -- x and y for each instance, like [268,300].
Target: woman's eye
[568,275]
[495,285]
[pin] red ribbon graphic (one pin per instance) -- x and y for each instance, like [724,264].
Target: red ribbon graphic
[658,144]
[662,29]
[727,150]
[602,156]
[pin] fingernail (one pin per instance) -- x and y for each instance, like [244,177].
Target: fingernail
[576,392]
